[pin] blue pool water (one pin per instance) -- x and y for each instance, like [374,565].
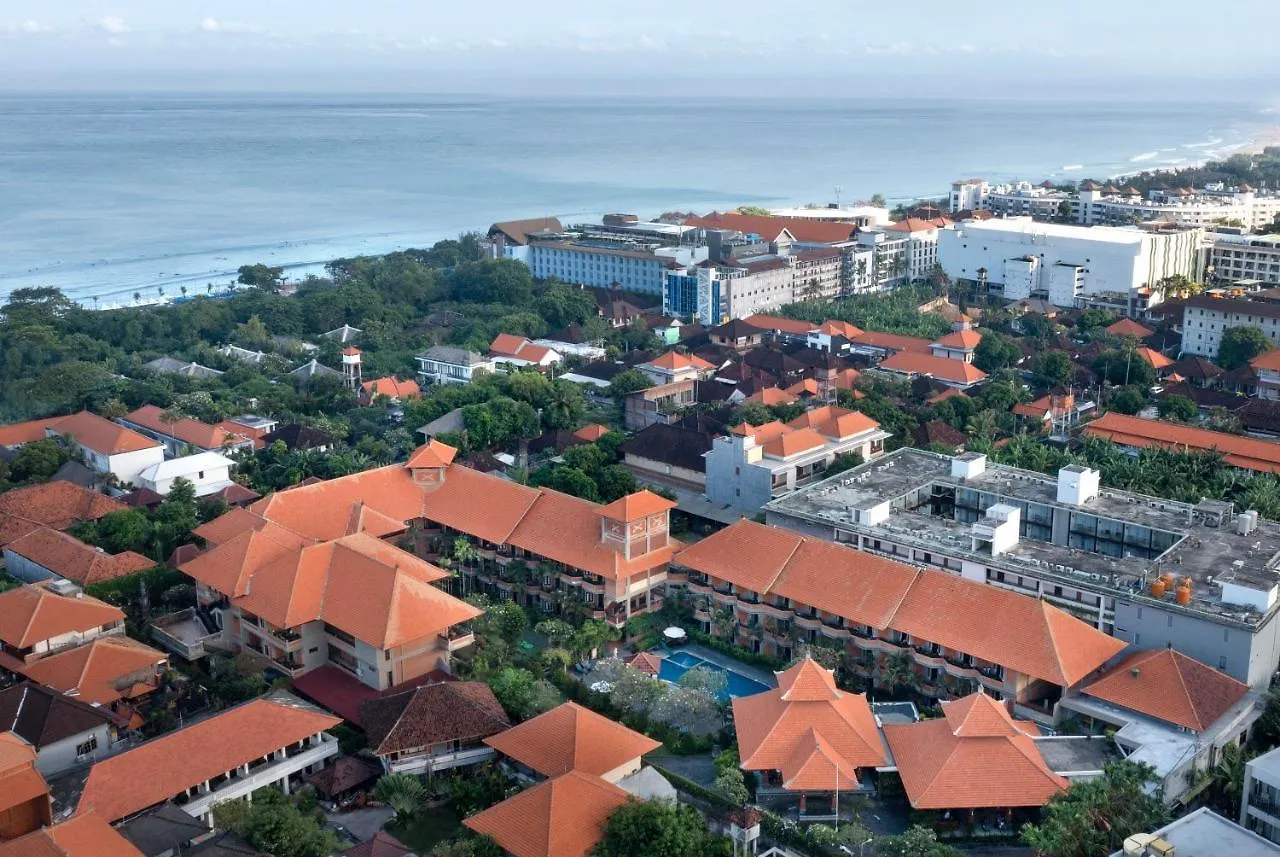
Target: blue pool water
[678,663]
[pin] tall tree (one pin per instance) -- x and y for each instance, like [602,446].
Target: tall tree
[1093,817]
[1240,345]
[654,828]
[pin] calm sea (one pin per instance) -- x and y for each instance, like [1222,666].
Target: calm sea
[107,195]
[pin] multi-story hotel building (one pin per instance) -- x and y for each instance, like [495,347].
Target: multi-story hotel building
[1150,572]
[771,590]
[1205,319]
[607,264]
[1245,257]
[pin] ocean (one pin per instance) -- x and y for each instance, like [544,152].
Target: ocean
[109,195]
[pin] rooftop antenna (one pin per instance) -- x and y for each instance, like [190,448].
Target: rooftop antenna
[839,190]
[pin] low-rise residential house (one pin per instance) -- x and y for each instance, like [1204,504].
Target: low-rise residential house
[103,445]
[1168,711]
[562,817]
[57,505]
[878,345]
[518,351]
[570,737]
[1129,327]
[312,369]
[171,366]
[167,831]
[660,404]
[115,672]
[64,731]
[956,635]
[736,334]
[36,621]
[24,795]
[808,739]
[1155,360]
[954,373]
[183,435]
[269,742]
[669,456]
[391,388]
[354,601]
[433,728]
[834,336]
[208,473]
[85,835]
[344,335]
[1195,371]
[672,367]
[780,329]
[751,465]
[251,426]
[44,553]
[959,344]
[1134,433]
[1056,407]
[445,364]
[1266,368]
[344,779]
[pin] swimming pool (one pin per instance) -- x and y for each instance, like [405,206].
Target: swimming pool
[679,662]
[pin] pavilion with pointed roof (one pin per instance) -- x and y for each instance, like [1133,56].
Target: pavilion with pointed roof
[807,738]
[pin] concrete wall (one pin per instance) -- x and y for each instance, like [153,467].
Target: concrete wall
[61,755]
[732,481]
[648,468]
[207,481]
[127,465]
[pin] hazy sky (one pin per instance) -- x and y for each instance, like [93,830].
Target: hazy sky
[445,44]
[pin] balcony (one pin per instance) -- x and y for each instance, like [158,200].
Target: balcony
[186,634]
[457,637]
[261,773]
[429,763]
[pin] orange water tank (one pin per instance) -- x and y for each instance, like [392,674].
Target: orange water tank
[1158,588]
[1184,593]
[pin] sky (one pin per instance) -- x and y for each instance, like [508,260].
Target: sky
[651,46]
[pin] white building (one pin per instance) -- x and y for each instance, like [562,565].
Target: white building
[968,195]
[1070,266]
[107,447]
[444,364]
[1205,319]
[1260,797]
[922,243]
[862,216]
[598,263]
[1245,257]
[1202,833]
[1241,206]
[209,472]
[890,258]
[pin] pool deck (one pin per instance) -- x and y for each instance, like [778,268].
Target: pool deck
[764,677]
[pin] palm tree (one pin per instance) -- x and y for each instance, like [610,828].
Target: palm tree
[183,289]
[895,673]
[137,297]
[403,793]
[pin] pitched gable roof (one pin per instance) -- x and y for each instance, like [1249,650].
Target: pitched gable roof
[16,434]
[1129,327]
[974,757]
[417,719]
[43,716]
[70,558]
[674,361]
[102,436]
[835,422]
[806,725]
[769,227]
[102,671]
[519,231]
[392,388]
[33,614]
[562,817]
[1167,685]
[163,767]
[85,835]
[911,363]
[572,738]
[961,340]
[778,324]
[1154,358]
[893,342]
[1245,452]
[637,505]
[57,504]
[187,430]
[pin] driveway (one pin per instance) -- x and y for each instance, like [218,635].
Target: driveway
[363,823]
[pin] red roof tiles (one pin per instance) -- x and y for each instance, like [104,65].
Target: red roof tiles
[1244,452]
[33,614]
[942,368]
[70,558]
[562,817]
[572,738]
[1167,685]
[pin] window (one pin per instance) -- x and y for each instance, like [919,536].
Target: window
[87,747]
[1222,662]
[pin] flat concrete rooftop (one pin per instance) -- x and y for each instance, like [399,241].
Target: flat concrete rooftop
[1077,754]
[908,477]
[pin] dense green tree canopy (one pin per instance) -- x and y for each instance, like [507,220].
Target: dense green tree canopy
[1239,345]
[659,829]
[1094,816]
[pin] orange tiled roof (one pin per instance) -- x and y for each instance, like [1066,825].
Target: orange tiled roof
[974,757]
[911,363]
[965,340]
[834,421]
[918,224]
[20,782]
[1018,632]
[763,433]
[102,671]
[229,525]
[591,432]
[1245,452]
[374,591]
[84,835]
[673,361]
[1154,358]
[805,727]
[996,625]
[163,767]
[794,442]
[57,504]
[391,387]
[103,436]
[186,429]
[1169,686]
[68,557]
[17,434]
[1269,361]
[562,817]
[893,342]
[646,662]
[633,507]
[835,327]
[32,614]
[432,454]
[780,324]
[944,395]
[770,396]
[1129,327]
[572,738]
